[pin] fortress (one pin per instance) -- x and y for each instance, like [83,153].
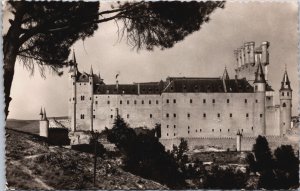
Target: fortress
[218,111]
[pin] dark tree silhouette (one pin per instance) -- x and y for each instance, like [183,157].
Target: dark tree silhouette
[41,33]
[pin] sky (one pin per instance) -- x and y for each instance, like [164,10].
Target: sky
[204,53]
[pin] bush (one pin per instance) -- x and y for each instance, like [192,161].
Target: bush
[144,155]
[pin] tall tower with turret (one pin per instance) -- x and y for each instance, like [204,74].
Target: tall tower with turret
[72,92]
[285,96]
[259,107]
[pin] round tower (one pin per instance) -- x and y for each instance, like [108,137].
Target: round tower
[260,97]
[44,124]
[285,96]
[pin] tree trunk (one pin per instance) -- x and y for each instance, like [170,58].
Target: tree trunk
[11,46]
[10,54]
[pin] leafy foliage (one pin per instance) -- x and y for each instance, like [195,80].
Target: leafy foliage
[279,172]
[144,155]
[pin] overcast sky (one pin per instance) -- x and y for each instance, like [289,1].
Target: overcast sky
[204,53]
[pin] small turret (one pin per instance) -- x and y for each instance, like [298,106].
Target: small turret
[45,115]
[238,141]
[44,124]
[91,71]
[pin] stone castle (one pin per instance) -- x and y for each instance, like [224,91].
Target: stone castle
[205,111]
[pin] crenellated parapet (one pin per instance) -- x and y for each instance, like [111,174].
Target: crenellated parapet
[247,58]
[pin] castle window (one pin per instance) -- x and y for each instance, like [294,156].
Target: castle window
[242,130]
[90,98]
[191,101]
[142,101]
[213,101]
[73,98]
[247,114]
[256,101]
[200,130]
[204,114]
[167,134]
[156,101]
[246,100]
[204,101]
[188,132]
[174,126]
[174,100]
[174,134]
[227,100]
[82,116]
[230,115]
[261,115]
[150,102]
[134,101]
[288,93]
[282,93]
[219,115]
[96,102]
[79,83]
[220,130]
[188,127]
[196,131]
[167,100]
[252,128]
[127,115]
[174,114]
[188,115]
[127,101]
[81,97]
[284,105]
[228,130]
[120,101]
[167,115]
[171,87]
[111,116]
[213,130]
[150,115]
[94,116]
[108,102]
[90,82]
[73,83]
[167,126]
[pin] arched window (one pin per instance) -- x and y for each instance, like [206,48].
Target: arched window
[284,105]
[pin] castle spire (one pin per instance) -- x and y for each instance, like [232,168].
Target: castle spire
[74,57]
[45,116]
[41,113]
[259,75]
[91,71]
[285,83]
[225,74]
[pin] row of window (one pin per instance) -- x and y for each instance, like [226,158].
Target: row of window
[213,101]
[204,115]
[135,102]
[213,130]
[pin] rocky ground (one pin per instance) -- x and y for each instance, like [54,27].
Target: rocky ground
[31,164]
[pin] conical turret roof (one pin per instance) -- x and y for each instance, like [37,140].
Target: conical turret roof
[285,83]
[259,75]
[225,75]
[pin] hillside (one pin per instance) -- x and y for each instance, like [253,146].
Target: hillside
[29,126]
[31,164]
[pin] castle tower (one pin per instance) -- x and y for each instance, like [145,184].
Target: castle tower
[285,96]
[91,91]
[44,124]
[72,90]
[260,100]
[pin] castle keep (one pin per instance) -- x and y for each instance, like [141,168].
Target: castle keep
[202,110]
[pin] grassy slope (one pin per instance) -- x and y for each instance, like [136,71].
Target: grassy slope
[30,126]
[33,165]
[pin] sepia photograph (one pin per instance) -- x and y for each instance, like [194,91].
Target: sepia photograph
[142,95]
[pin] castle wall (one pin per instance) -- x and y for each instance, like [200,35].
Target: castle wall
[219,119]
[136,110]
[273,121]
